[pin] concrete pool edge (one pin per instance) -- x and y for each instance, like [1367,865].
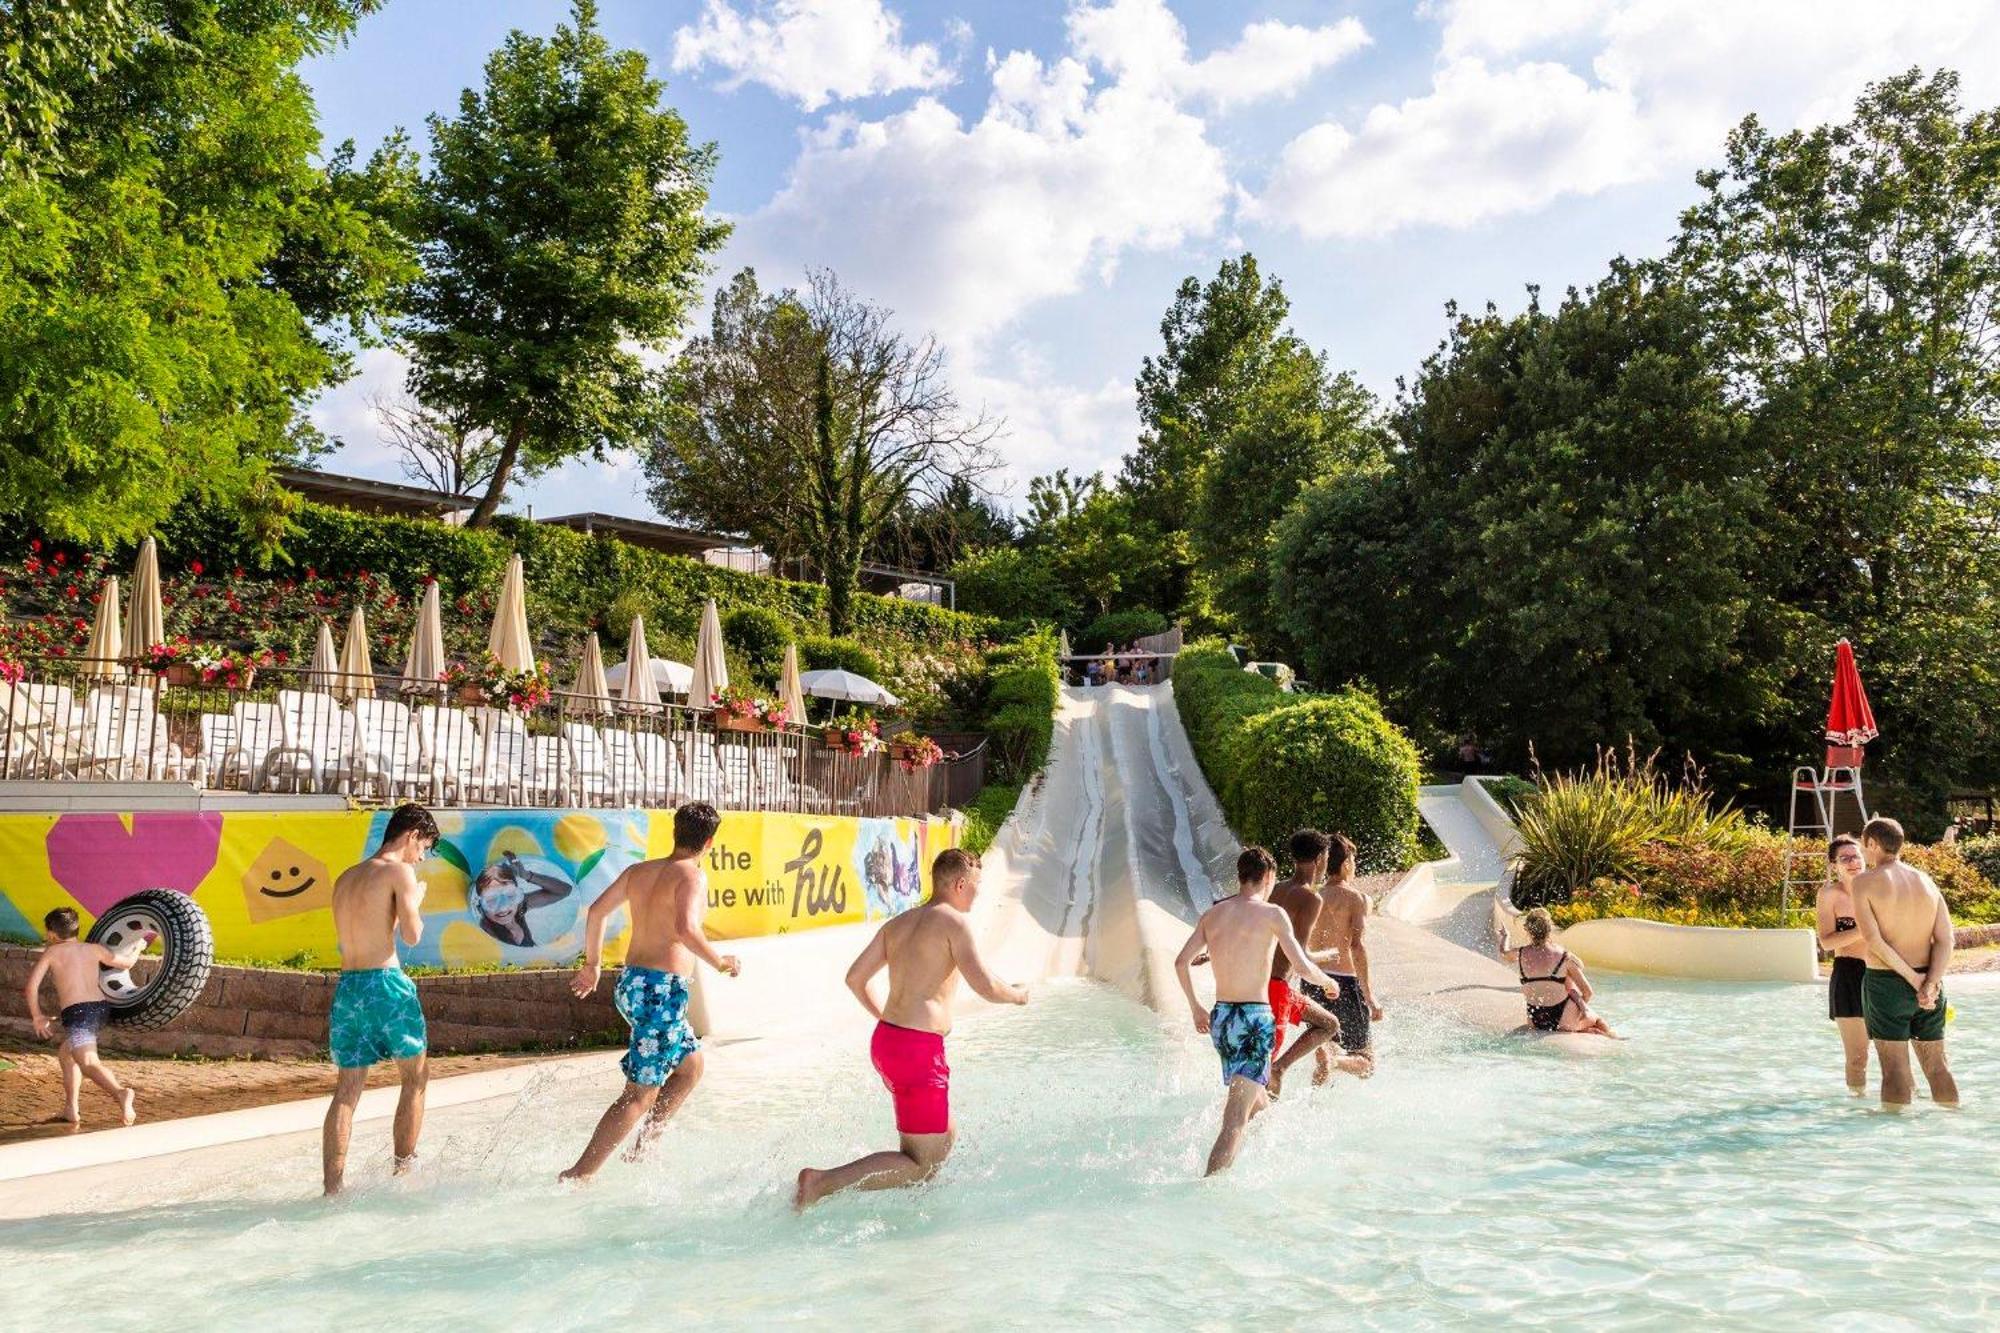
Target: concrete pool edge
[163,1138]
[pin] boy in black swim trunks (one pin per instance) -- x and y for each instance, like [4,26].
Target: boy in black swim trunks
[1338,945]
[74,964]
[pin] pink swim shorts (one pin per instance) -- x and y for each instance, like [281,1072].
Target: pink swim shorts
[912,1067]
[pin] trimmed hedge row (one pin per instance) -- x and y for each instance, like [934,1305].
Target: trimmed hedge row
[1280,762]
[573,577]
[1025,683]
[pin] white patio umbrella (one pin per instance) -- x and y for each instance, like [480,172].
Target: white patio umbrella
[357,668]
[325,664]
[669,677]
[509,640]
[636,686]
[711,673]
[592,693]
[1062,647]
[834,683]
[425,660]
[790,693]
[144,623]
[107,645]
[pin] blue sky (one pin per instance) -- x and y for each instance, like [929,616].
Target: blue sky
[1030,180]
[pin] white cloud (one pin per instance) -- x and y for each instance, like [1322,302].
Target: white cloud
[1141,43]
[1482,142]
[1536,99]
[813,51]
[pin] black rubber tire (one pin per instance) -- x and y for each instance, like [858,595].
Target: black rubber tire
[187,952]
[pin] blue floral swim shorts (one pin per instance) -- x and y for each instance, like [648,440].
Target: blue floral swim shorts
[376,1017]
[1244,1036]
[655,1004]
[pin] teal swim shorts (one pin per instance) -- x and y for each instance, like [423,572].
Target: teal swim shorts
[376,1017]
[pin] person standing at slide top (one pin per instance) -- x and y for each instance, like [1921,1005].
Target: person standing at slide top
[376,1014]
[1908,928]
[663,1059]
[925,950]
[1238,935]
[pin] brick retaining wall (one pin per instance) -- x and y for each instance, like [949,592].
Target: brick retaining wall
[268,1013]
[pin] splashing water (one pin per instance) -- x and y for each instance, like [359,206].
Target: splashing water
[1713,1169]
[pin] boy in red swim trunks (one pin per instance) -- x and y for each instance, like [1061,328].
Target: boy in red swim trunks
[1299,896]
[925,950]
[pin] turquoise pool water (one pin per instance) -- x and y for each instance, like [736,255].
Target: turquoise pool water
[1713,1169]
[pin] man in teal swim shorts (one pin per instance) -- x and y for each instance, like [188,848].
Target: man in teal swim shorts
[376,1015]
[1904,919]
[1239,934]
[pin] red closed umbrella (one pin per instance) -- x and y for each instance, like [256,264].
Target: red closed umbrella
[1850,721]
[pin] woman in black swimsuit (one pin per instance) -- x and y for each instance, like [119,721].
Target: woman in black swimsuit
[1841,937]
[1552,981]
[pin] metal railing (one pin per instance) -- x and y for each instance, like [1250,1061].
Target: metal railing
[290,730]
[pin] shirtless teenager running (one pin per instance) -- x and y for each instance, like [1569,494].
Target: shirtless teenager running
[1908,928]
[376,1014]
[1238,935]
[1302,901]
[1338,944]
[924,949]
[663,1059]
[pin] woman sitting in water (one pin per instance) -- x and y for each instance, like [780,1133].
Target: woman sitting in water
[1840,935]
[1552,981]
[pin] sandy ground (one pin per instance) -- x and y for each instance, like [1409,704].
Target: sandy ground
[169,1088]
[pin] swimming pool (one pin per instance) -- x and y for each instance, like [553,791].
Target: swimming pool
[1711,1169]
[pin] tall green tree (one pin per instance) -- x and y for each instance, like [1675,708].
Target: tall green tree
[1852,277]
[807,421]
[564,235]
[181,269]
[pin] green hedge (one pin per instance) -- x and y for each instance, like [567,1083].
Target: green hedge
[1114,631]
[1025,685]
[761,635]
[573,577]
[817,652]
[1279,762]
[988,811]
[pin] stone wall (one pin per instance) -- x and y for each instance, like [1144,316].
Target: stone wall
[270,1014]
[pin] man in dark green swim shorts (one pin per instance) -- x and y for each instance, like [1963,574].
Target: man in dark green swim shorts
[1908,928]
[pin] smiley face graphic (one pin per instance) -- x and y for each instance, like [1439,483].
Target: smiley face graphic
[284,881]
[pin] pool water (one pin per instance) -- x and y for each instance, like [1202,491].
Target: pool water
[1712,1169]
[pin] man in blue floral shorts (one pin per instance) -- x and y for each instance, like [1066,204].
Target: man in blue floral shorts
[376,1015]
[663,1060]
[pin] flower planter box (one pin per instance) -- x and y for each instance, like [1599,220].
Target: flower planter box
[471,694]
[731,722]
[179,674]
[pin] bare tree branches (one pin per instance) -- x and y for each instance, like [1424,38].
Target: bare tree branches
[434,450]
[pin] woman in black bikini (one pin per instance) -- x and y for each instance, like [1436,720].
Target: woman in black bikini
[1841,937]
[1552,981]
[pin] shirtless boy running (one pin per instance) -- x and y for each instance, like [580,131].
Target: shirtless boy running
[376,1014]
[1908,928]
[1302,901]
[924,949]
[1338,944]
[74,964]
[1238,935]
[663,1062]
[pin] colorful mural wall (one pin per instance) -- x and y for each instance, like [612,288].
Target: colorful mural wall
[504,886]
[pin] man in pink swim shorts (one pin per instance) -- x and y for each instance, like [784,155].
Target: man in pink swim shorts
[925,950]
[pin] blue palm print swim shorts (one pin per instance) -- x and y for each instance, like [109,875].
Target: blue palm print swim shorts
[655,1004]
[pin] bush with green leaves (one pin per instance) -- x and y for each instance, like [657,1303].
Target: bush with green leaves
[1025,684]
[818,652]
[1279,762]
[1594,824]
[761,635]
[1983,854]
[1118,629]
[988,811]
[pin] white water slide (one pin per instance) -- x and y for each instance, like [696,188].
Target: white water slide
[1108,861]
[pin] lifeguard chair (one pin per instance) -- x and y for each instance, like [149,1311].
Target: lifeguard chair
[1820,795]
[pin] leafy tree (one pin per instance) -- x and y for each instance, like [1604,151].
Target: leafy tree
[1852,278]
[1013,583]
[808,422]
[1219,342]
[563,238]
[932,534]
[180,270]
